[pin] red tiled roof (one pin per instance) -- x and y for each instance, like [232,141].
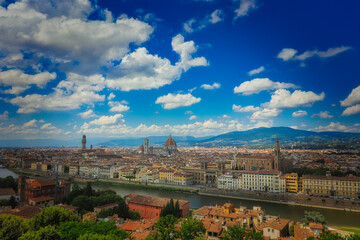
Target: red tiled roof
[151,201]
[278,224]
[6,191]
[41,199]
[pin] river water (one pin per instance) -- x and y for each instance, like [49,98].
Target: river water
[333,217]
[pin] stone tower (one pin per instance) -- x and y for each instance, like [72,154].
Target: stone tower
[21,187]
[146,146]
[277,159]
[83,142]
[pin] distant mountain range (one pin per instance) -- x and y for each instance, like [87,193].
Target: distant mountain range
[254,137]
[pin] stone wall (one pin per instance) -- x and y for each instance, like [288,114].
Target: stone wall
[286,198]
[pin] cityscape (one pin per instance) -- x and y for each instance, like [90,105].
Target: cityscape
[183,119]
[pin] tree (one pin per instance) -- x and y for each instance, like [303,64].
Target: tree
[316,217]
[75,230]
[177,210]
[12,227]
[191,228]
[12,202]
[171,209]
[53,216]
[165,228]
[45,233]
[239,232]
[88,191]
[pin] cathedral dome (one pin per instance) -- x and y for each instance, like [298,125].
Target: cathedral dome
[170,142]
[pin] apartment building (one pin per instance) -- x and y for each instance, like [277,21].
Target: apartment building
[291,182]
[264,180]
[228,181]
[183,178]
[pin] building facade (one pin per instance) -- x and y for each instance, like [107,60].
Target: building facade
[265,181]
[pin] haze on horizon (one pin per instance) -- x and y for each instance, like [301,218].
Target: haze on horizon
[191,68]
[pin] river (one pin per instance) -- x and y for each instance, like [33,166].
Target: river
[333,217]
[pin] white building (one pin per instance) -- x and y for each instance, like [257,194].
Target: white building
[84,171]
[264,180]
[228,181]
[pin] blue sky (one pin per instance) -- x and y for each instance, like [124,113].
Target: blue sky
[139,68]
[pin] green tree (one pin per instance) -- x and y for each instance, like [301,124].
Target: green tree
[52,216]
[171,209]
[12,227]
[45,233]
[177,210]
[75,230]
[76,191]
[12,202]
[94,236]
[310,216]
[134,215]
[238,232]
[191,228]
[165,228]
[88,191]
[355,236]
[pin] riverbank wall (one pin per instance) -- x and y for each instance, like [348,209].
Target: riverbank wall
[291,199]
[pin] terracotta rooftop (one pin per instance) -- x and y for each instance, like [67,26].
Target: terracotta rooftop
[278,224]
[203,211]
[24,212]
[302,233]
[316,225]
[106,206]
[331,177]
[151,201]
[42,181]
[140,236]
[6,191]
[170,142]
[41,199]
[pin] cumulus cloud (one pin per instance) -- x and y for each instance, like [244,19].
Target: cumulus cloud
[215,85]
[107,120]
[31,123]
[111,96]
[260,84]
[61,29]
[287,54]
[87,114]
[141,70]
[352,102]
[256,71]
[48,126]
[351,110]
[283,98]
[19,81]
[323,115]
[193,117]
[69,94]
[118,107]
[336,127]
[172,101]
[239,108]
[299,113]
[265,113]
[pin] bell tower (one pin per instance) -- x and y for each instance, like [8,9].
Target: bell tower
[277,159]
[83,142]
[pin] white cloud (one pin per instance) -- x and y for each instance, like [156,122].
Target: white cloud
[141,70]
[352,102]
[260,84]
[266,113]
[225,116]
[287,54]
[323,115]
[215,85]
[244,8]
[19,81]
[239,108]
[111,96]
[290,54]
[4,116]
[87,114]
[185,50]
[299,113]
[107,120]
[61,29]
[351,110]
[283,98]
[336,127]
[256,71]
[30,124]
[193,117]
[172,101]
[216,16]
[48,126]
[352,99]
[118,107]
[193,25]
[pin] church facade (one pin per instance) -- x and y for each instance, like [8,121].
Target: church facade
[258,162]
[169,148]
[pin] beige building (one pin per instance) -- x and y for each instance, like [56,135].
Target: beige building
[348,187]
[275,229]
